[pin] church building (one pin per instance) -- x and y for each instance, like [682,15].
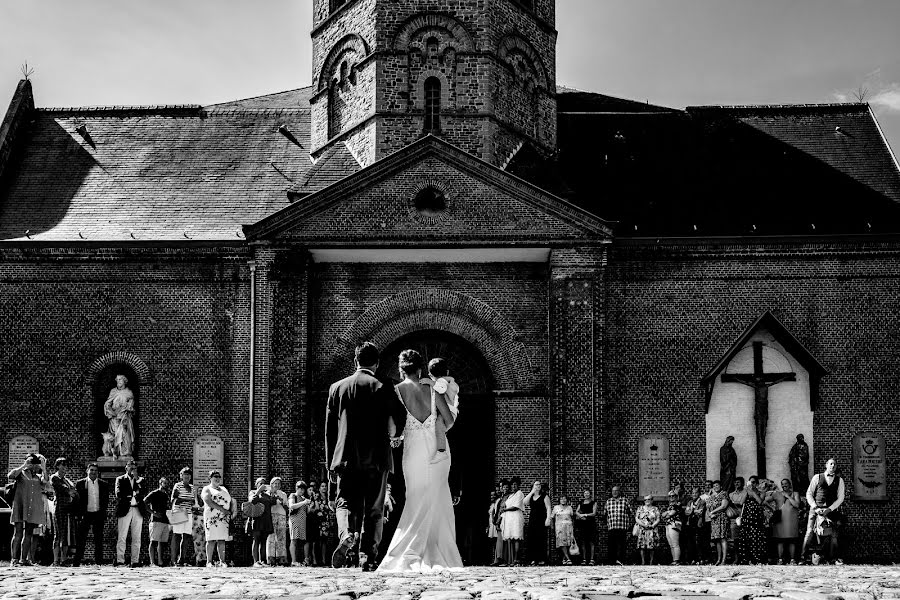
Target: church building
[617,286]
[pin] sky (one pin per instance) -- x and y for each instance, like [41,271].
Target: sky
[671,52]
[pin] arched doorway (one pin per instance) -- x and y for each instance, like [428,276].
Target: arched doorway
[472,439]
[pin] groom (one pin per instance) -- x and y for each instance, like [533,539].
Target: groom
[358,452]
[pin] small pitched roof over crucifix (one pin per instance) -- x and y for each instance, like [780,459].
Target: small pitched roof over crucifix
[761,381]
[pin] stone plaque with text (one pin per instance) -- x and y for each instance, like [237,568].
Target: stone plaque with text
[653,465]
[20,447]
[209,454]
[869,467]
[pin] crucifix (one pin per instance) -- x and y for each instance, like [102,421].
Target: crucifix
[760,382]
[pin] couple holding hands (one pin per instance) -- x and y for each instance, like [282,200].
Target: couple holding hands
[365,418]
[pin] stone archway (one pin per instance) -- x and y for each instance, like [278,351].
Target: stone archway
[443,310]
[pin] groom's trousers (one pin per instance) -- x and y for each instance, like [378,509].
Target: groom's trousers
[359,507]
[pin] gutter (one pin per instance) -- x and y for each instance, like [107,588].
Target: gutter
[252,399]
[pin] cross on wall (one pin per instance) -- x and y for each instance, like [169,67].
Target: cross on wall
[760,381]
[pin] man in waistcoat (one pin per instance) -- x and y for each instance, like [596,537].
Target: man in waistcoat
[825,495]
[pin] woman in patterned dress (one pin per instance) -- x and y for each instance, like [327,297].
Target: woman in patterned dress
[219,508]
[276,543]
[564,527]
[647,518]
[329,529]
[753,525]
[719,524]
[298,506]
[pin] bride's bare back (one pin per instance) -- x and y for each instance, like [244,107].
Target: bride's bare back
[417,398]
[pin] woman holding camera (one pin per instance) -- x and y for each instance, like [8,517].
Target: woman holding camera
[27,506]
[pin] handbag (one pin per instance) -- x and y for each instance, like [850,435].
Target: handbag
[252,510]
[636,530]
[573,549]
[177,517]
[740,516]
[732,512]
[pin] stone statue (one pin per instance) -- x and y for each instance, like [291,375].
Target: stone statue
[119,409]
[727,464]
[798,461]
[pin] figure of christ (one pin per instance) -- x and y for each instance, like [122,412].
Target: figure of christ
[119,409]
[760,382]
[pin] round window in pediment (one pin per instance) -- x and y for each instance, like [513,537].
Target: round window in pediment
[430,201]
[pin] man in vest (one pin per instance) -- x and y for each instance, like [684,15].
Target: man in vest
[825,496]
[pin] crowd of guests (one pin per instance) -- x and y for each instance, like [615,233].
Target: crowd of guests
[193,523]
[755,522]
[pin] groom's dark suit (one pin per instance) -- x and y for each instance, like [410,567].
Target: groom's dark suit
[358,450]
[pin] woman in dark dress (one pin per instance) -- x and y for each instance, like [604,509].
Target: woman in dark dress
[536,531]
[260,527]
[586,526]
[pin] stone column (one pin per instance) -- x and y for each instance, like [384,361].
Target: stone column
[576,367]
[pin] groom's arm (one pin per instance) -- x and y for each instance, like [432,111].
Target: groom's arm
[332,415]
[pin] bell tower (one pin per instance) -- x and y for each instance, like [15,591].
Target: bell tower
[481,74]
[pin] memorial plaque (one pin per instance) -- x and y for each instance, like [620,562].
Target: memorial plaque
[653,465]
[20,447]
[869,467]
[209,454]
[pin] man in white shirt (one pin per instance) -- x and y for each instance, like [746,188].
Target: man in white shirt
[91,505]
[825,495]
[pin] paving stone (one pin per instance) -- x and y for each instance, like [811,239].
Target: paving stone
[806,595]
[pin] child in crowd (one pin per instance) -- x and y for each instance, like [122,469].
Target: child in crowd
[443,384]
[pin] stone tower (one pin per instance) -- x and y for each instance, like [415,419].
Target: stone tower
[481,74]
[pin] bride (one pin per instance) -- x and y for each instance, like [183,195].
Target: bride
[425,539]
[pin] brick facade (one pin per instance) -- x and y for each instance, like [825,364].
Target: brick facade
[674,309]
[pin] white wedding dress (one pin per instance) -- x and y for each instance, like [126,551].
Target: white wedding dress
[425,539]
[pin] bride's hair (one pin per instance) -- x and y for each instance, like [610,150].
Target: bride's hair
[410,362]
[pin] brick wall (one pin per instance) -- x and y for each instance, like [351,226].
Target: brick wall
[674,310]
[182,312]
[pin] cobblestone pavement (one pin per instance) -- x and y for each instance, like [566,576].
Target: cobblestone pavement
[541,583]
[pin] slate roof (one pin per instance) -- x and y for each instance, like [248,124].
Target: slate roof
[728,170]
[199,173]
[152,173]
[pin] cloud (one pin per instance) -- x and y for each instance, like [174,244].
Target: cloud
[887,98]
[841,97]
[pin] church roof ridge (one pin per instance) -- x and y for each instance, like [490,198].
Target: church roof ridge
[819,106]
[122,109]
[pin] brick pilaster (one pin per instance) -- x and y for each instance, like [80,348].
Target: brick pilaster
[576,332]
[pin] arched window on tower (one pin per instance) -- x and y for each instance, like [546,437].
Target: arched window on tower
[432,105]
[334,118]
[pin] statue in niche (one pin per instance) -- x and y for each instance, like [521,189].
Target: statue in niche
[119,409]
[798,461]
[727,464]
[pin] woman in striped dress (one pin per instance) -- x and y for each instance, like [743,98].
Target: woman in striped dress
[183,502]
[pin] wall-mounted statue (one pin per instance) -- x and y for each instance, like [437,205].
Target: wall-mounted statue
[727,464]
[119,409]
[798,461]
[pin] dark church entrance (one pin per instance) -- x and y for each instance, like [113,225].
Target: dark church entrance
[472,439]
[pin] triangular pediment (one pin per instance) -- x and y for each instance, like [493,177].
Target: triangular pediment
[476,203]
[785,338]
